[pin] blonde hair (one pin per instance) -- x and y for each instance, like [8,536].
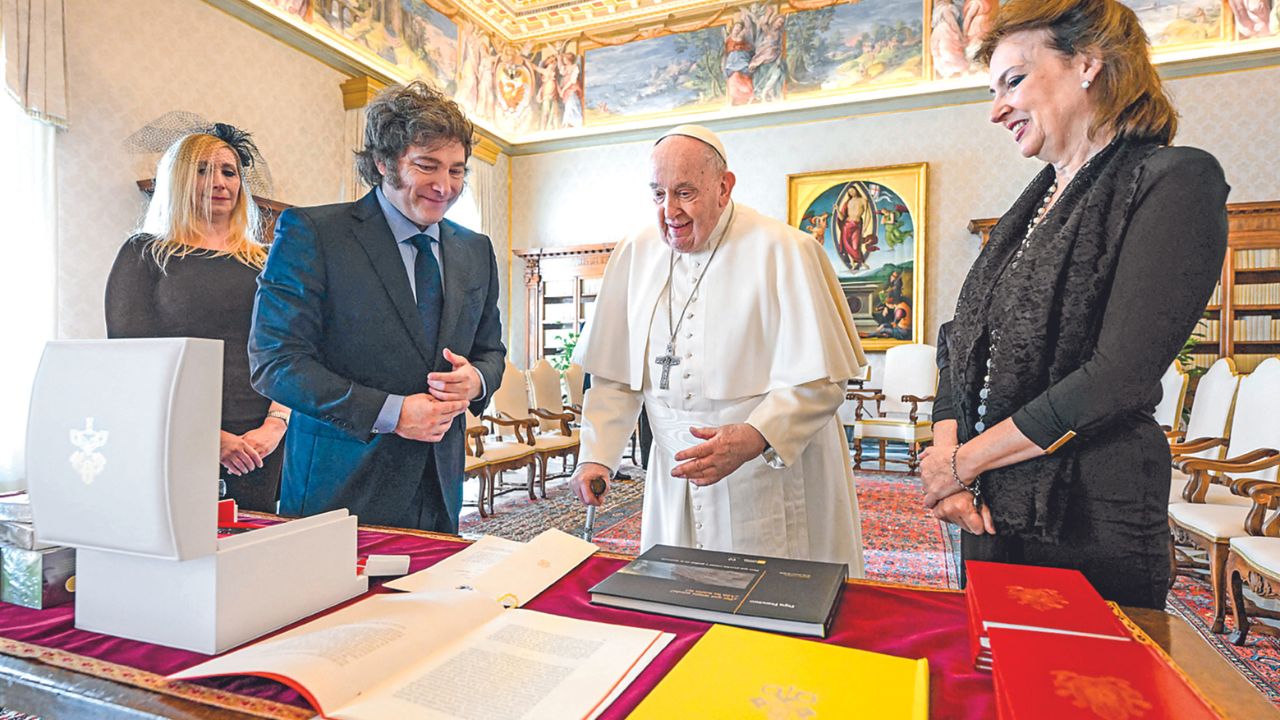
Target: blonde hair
[1128,94]
[176,206]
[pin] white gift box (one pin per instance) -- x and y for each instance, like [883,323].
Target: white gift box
[122,458]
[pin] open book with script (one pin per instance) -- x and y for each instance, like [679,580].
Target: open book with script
[447,654]
[510,572]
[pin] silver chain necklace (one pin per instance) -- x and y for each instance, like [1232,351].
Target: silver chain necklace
[670,358]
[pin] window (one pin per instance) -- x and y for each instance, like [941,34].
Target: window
[28,222]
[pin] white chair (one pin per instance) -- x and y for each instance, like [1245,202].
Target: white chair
[574,380]
[513,410]
[1173,385]
[487,461]
[555,437]
[1253,457]
[1209,425]
[904,405]
[1256,557]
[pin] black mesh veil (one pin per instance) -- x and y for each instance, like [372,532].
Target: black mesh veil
[159,134]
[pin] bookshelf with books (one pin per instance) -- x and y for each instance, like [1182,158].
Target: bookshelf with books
[1245,310]
[561,284]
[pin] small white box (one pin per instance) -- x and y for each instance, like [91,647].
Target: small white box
[122,457]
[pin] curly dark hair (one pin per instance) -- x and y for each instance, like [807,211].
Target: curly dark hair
[404,115]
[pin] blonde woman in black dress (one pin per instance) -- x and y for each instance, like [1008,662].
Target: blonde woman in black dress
[191,271]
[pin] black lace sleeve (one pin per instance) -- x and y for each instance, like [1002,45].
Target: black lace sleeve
[944,405]
[1169,262]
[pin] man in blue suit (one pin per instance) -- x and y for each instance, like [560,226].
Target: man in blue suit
[377,323]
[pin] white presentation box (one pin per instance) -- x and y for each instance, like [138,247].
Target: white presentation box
[122,464]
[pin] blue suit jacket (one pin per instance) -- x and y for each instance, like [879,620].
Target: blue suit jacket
[336,329]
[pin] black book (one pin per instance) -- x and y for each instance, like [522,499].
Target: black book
[765,593]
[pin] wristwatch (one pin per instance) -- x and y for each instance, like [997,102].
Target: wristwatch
[771,457]
[281,416]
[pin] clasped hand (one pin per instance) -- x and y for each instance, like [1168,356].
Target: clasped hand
[461,383]
[428,416]
[936,475]
[726,448]
[944,497]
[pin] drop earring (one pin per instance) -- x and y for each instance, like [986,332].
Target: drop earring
[1085,84]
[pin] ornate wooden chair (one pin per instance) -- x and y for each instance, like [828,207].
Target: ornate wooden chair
[1253,456]
[474,466]
[487,461]
[554,436]
[1254,560]
[903,406]
[514,414]
[1208,428]
[574,380]
[1174,396]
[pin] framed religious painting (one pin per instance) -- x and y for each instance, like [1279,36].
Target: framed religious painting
[871,225]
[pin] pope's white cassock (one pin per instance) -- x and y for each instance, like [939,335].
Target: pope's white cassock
[766,339]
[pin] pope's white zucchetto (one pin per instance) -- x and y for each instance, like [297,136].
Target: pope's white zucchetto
[697,132]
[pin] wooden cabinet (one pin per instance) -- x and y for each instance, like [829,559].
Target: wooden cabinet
[560,293]
[1242,319]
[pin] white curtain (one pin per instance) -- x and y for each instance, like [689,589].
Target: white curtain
[490,196]
[35,62]
[28,225]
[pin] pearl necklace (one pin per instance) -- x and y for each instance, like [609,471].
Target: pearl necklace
[985,392]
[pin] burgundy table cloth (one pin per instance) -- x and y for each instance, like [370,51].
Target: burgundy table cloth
[898,620]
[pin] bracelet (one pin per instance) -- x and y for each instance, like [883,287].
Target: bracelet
[974,489]
[284,417]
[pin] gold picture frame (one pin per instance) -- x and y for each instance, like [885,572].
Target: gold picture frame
[871,223]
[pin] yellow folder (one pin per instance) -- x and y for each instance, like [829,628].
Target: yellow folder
[741,674]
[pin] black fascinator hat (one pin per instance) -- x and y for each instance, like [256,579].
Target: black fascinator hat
[157,135]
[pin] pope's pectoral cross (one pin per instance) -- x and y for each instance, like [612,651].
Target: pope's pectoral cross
[666,361]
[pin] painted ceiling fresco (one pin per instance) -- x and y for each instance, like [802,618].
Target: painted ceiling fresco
[541,69]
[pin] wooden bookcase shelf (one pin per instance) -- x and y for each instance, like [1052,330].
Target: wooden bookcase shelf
[560,292]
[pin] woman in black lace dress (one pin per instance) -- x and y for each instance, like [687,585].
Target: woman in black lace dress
[1046,449]
[192,272]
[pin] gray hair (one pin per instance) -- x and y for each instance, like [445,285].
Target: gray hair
[404,115]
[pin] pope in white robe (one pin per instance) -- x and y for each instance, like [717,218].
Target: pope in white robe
[731,329]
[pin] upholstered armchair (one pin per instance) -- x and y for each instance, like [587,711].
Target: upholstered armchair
[1253,457]
[1253,560]
[487,461]
[574,382]
[903,407]
[546,428]
[1208,428]
[1173,385]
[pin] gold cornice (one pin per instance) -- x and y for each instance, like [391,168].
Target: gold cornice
[485,148]
[358,91]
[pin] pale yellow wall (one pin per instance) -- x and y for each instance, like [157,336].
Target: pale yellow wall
[594,195]
[129,61]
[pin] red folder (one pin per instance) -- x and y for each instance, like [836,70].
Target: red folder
[1025,597]
[1041,676]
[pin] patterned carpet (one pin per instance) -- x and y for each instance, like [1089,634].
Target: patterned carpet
[901,544]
